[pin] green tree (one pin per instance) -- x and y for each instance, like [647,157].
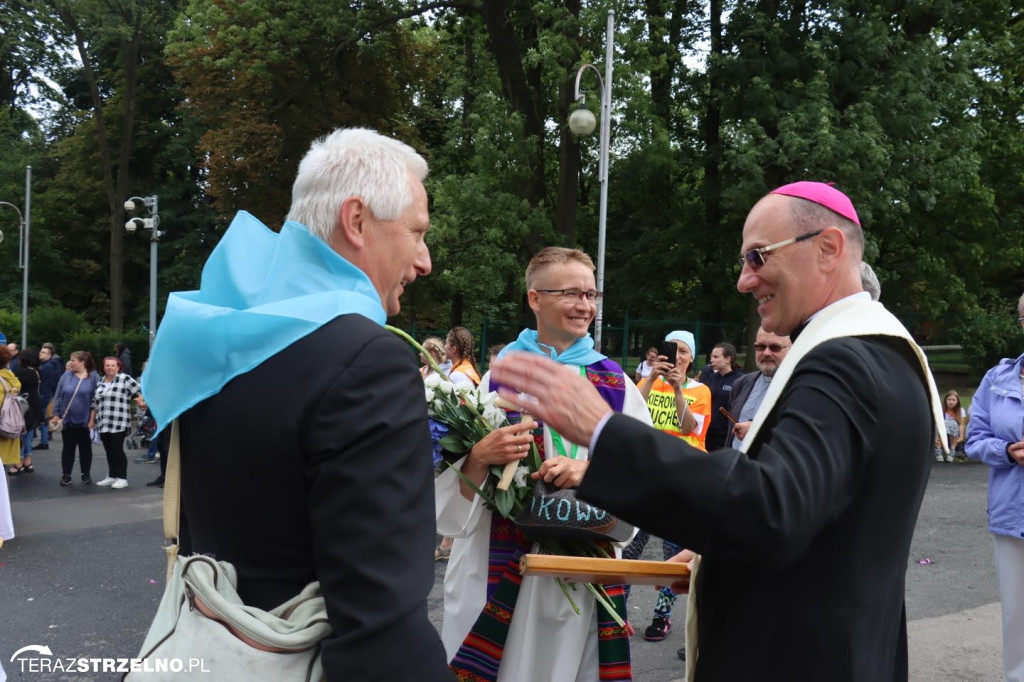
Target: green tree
[264,79]
[113,42]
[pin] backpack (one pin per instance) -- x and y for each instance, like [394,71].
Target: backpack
[12,418]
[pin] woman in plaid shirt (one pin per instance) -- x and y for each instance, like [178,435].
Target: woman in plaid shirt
[112,415]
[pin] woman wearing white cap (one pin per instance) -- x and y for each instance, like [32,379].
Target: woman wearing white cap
[682,407]
[679,405]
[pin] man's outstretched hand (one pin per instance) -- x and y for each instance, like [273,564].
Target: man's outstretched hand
[555,394]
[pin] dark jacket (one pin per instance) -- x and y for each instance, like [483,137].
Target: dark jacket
[316,465]
[49,374]
[721,389]
[125,356]
[805,542]
[29,379]
[741,389]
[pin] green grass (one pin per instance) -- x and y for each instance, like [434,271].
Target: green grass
[948,361]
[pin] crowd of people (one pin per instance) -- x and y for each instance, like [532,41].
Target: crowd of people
[808,471]
[71,398]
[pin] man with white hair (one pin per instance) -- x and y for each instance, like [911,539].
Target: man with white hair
[805,532]
[305,451]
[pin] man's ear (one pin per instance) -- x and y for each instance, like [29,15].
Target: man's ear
[350,227]
[831,247]
[533,300]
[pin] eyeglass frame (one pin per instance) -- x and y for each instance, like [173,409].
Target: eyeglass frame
[580,295]
[773,347]
[747,258]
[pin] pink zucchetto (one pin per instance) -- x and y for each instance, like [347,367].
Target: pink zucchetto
[821,194]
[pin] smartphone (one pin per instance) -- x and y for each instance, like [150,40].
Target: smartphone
[668,349]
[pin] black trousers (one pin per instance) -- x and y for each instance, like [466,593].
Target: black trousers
[73,437]
[163,446]
[117,461]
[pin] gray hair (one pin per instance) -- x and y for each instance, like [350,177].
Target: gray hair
[810,216]
[353,162]
[869,280]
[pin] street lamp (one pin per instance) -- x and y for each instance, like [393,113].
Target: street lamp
[21,219]
[24,222]
[152,224]
[581,122]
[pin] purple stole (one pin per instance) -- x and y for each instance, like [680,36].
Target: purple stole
[479,657]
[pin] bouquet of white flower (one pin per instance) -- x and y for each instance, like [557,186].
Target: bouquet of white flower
[461,416]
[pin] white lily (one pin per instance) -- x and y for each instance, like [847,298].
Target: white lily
[494,416]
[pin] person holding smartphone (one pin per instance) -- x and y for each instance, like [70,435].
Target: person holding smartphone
[681,407]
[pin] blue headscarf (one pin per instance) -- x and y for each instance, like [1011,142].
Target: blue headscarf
[581,352]
[261,291]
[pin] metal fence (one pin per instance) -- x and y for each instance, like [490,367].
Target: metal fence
[625,342]
[628,342]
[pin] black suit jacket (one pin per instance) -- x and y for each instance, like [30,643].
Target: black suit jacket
[805,542]
[741,391]
[316,465]
[738,398]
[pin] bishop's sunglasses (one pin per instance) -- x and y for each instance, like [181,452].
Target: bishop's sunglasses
[755,257]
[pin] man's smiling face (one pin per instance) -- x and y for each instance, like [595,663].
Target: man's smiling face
[559,321]
[789,287]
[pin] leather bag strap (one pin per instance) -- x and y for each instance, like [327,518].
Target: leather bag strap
[172,499]
[66,409]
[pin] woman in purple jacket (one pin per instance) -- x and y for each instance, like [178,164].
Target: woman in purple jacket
[72,403]
[995,436]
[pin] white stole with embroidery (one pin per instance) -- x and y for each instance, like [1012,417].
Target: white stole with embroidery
[851,317]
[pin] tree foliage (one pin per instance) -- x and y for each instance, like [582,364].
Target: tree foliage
[913,109]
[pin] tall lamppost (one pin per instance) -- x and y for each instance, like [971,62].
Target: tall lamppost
[581,122]
[24,222]
[152,224]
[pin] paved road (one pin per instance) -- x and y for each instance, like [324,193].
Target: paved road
[85,574]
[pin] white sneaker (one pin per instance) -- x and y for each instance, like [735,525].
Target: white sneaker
[120,483]
[107,481]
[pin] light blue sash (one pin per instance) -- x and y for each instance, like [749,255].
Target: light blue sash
[581,352]
[261,291]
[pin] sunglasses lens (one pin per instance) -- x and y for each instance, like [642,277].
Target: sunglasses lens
[754,259]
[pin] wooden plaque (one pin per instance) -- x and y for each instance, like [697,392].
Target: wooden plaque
[609,571]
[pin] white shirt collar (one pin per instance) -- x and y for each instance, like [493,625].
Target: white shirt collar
[861,295]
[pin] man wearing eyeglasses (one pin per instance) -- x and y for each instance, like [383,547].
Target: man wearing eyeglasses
[805,531]
[750,389]
[498,625]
